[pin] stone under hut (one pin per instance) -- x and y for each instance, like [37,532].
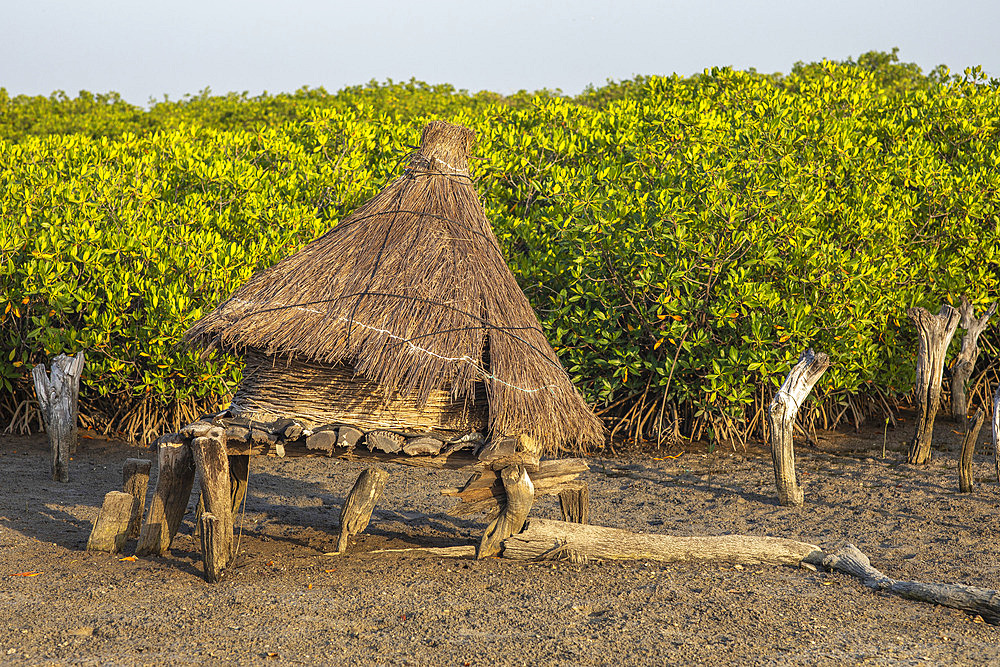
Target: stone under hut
[400,335]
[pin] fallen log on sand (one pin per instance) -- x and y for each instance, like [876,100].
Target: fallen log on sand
[545,539]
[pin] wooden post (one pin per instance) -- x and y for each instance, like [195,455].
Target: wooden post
[357,509]
[111,528]
[135,481]
[214,545]
[965,478]
[935,333]
[575,503]
[996,431]
[213,465]
[170,499]
[57,399]
[781,419]
[520,496]
[239,474]
[965,362]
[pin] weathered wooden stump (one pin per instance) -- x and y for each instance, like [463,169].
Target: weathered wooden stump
[965,362]
[520,496]
[135,481]
[935,333]
[209,448]
[357,509]
[781,419]
[175,478]
[574,503]
[111,527]
[965,478]
[57,399]
[215,545]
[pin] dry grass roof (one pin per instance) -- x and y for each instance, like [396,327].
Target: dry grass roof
[412,290]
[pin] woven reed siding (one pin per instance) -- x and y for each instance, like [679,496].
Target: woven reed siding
[275,388]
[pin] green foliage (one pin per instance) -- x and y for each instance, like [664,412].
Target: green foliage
[681,239]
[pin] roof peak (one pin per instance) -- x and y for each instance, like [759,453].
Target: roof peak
[444,147]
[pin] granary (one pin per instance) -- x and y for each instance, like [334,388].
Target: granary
[400,334]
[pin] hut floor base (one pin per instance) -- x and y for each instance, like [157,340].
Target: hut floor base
[485,491]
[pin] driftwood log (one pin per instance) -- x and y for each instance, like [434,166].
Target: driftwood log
[135,481]
[850,560]
[562,540]
[357,509]
[965,477]
[520,496]
[781,419]
[57,399]
[934,333]
[558,540]
[170,499]
[965,363]
[111,527]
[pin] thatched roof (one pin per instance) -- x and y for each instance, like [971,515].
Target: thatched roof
[412,290]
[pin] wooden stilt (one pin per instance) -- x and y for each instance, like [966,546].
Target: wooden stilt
[215,547]
[575,503]
[239,473]
[965,478]
[170,500]
[135,481]
[213,465]
[520,496]
[111,528]
[357,510]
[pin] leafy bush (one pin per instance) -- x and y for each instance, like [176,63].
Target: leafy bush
[681,239]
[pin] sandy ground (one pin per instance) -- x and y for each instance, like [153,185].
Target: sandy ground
[284,601]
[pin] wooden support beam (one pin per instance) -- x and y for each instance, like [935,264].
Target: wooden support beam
[175,478]
[520,496]
[485,493]
[965,362]
[216,539]
[965,477]
[135,481]
[447,459]
[111,527]
[781,419]
[934,333]
[357,509]
[574,502]
[213,467]
[57,400]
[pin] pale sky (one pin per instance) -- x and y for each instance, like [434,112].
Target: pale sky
[144,50]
